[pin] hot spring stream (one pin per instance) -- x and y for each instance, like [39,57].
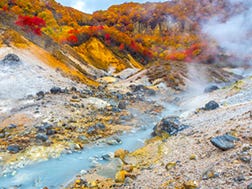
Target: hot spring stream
[54,173]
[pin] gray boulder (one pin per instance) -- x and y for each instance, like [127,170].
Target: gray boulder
[170,125]
[11,59]
[224,142]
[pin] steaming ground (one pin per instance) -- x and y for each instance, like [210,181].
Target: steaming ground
[27,78]
[233,34]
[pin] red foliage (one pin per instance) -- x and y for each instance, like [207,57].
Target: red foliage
[5,8]
[121,47]
[107,37]
[73,31]
[72,39]
[96,28]
[133,45]
[148,54]
[31,24]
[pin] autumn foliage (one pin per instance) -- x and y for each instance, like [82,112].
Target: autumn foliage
[168,31]
[31,24]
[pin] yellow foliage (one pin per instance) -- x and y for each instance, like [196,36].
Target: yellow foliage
[65,69]
[94,52]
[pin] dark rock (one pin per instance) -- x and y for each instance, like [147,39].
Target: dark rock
[55,90]
[83,139]
[211,88]
[115,109]
[11,59]
[95,128]
[2,135]
[100,126]
[13,149]
[44,127]
[212,105]
[224,142]
[150,92]
[74,89]
[40,95]
[91,130]
[122,105]
[119,96]
[245,158]
[42,137]
[239,178]
[106,157]
[50,132]
[249,186]
[171,125]
[136,88]
[74,97]
[12,126]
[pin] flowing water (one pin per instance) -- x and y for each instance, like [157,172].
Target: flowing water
[54,173]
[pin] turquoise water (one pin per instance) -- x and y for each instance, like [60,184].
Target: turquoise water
[54,173]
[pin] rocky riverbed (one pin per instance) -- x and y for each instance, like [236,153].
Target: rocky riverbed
[64,117]
[215,151]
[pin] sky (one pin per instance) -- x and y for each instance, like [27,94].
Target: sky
[89,6]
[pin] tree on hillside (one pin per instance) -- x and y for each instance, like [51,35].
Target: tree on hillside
[32,25]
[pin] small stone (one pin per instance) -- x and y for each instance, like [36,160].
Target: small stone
[78,181]
[78,147]
[83,139]
[106,157]
[13,149]
[74,97]
[193,157]
[12,126]
[224,142]
[150,92]
[50,132]
[42,137]
[122,105]
[239,178]
[170,165]
[245,158]
[191,184]
[249,186]
[209,174]
[91,130]
[120,153]
[100,126]
[120,176]
[2,135]
[92,184]
[11,59]
[212,105]
[55,90]
[73,89]
[40,95]
[211,88]
[128,181]
[113,141]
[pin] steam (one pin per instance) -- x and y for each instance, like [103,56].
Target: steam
[235,34]
[196,79]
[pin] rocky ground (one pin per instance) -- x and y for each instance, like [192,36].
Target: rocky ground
[215,151]
[65,118]
[69,115]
